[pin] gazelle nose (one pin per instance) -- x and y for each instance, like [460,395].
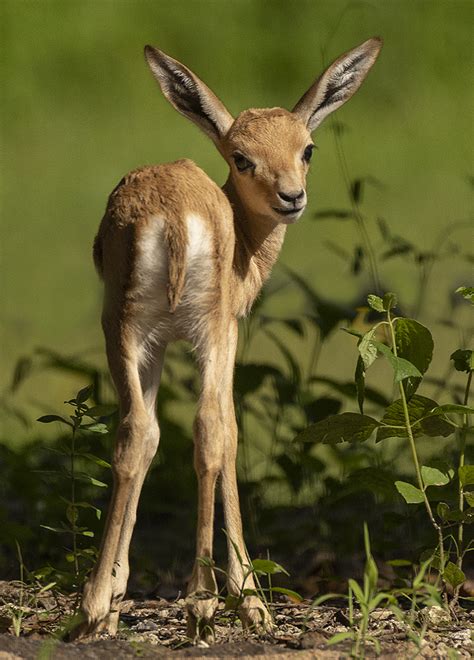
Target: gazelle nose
[291,196]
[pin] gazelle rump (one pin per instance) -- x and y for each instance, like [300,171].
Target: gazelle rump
[182,258]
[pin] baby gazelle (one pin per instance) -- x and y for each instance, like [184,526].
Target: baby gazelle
[182,258]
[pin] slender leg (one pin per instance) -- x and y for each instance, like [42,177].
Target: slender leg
[135,445]
[150,376]
[209,431]
[252,611]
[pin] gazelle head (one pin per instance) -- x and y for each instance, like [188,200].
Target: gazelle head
[269,150]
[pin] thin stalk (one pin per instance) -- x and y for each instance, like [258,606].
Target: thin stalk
[73,501]
[462,438]
[374,273]
[414,453]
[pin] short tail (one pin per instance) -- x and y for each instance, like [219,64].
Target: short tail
[176,240]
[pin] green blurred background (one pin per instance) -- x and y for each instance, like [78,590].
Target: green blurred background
[80,108]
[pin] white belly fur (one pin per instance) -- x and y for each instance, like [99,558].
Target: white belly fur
[156,322]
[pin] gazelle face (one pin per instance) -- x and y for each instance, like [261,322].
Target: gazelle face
[268,152]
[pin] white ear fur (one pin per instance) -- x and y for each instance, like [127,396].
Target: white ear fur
[338,83]
[189,95]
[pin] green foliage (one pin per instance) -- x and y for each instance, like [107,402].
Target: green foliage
[79,556]
[412,416]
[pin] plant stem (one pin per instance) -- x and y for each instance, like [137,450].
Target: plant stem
[462,438]
[73,501]
[374,273]
[414,453]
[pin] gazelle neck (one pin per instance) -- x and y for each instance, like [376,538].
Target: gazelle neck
[258,240]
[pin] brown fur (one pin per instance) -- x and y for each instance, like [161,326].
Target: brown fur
[245,224]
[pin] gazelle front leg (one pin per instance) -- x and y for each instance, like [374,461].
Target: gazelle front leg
[209,430]
[252,611]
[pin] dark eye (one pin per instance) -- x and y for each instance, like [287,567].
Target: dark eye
[242,163]
[308,152]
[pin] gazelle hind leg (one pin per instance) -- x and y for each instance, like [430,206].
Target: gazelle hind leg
[135,445]
[150,376]
[253,613]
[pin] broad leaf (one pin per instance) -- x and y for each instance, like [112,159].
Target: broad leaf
[469,497]
[443,510]
[367,348]
[433,476]
[347,427]
[415,344]
[375,302]
[466,292]
[267,567]
[463,360]
[466,475]
[419,410]
[453,408]
[47,419]
[390,301]
[401,368]
[410,493]
[292,595]
[95,459]
[84,394]
[453,575]
[95,428]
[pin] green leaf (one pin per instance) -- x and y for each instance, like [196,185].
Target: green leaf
[466,475]
[267,567]
[453,408]
[95,459]
[375,302]
[97,427]
[358,593]
[87,532]
[401,368]
[433,477]
[410,493]
[399,562]
[292,595]
[57,530]
[442,510]
[422,423]
[367,348]
[347,427]
[390,301]
[83,476]
[340,637]
[453,575]
[466,292]
[415,344]
[84,394]
[469,497]
[105,410]
[47,419]
[463,360]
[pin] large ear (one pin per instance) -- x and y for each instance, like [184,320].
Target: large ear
[338,83]
[188,94]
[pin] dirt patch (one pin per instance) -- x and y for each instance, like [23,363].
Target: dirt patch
[157,629]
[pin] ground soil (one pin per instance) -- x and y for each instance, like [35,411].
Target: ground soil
[157,629]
